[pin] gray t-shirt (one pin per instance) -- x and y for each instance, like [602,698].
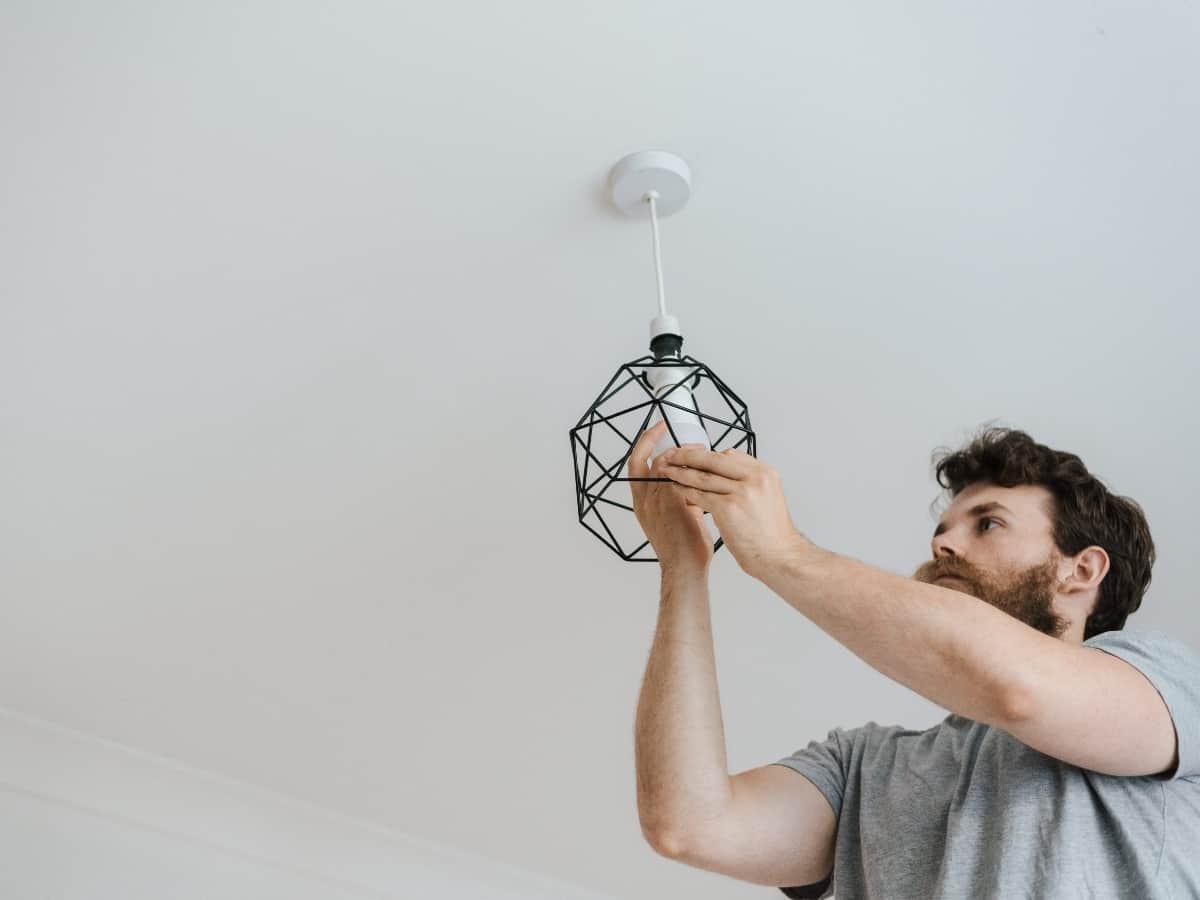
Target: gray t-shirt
[964,810]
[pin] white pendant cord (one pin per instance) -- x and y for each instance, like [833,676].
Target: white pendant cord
[652,197]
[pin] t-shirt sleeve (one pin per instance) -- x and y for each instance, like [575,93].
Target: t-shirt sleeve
[826,764]
[1174,669]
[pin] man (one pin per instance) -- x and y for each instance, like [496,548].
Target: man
[1069,765]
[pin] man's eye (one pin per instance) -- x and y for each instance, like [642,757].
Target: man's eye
[987,519]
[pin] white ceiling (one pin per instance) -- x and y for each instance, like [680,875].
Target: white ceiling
[299,302]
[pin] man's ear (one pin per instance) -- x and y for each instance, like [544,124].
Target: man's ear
[1089,568]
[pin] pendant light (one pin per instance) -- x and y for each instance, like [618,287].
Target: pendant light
[698,407]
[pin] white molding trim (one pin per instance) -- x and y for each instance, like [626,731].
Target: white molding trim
[127,786]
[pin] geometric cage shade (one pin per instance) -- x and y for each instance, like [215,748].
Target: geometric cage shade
[604,437]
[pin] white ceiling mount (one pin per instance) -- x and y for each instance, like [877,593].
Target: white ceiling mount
[650,170]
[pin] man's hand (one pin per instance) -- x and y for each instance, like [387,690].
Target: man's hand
[745,497]
[676,528]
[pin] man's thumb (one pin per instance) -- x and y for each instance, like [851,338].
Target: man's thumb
[638,466]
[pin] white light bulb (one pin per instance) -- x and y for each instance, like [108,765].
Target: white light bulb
[686,423]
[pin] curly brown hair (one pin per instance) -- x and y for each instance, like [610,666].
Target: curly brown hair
[1082,512]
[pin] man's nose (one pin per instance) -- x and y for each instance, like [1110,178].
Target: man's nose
[943,547]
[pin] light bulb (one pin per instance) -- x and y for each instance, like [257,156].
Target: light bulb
[686,423]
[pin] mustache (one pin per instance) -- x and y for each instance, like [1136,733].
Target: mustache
[935,570]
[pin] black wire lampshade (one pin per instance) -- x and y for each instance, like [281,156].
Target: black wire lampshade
[688,393]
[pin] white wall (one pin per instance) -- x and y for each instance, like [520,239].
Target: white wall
[84,818]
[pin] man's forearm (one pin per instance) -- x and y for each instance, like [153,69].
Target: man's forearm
[953,649]
[679,743]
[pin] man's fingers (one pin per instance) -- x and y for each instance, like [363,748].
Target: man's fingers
[705,480]
[734,464]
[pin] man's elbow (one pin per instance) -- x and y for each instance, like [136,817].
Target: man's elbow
[664,843]
[1015,706]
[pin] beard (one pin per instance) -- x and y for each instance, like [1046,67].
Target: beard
[1025,594]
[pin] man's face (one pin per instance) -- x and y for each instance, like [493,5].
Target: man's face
[1004,556]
